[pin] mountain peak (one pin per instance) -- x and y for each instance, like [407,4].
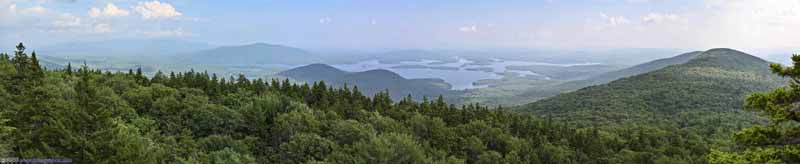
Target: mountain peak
[313,70]
[383,73]
[727,58]
[320,66]
[264,44]
[723,49]
[723,52]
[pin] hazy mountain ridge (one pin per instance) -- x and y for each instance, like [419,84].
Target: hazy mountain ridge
[371,81]
[154,47]
[713,81]
[257,53]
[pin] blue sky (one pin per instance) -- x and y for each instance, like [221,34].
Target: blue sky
[370,24]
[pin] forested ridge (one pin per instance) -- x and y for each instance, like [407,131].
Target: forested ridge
[91,116]
[713,83]
[703,97]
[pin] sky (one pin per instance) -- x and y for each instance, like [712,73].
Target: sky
[448,24]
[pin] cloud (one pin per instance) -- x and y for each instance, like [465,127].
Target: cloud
[325,20]
[472,28]
[102,28]
[12,8]
[39,18]
[110,11]
[67,20]
[660,17]
[35,9]
[156,10]
[178,32]
[753,23]
[640,1]
[373,22]
[60,1]
[614,20]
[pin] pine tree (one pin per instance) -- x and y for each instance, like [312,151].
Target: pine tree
[140,78]
[68,69]
[36,70]
[159,78]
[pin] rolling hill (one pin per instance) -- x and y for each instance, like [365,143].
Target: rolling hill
[257,53]
[711,83]
[630,71]
[370,82]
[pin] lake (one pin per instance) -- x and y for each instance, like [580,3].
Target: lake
[460,74]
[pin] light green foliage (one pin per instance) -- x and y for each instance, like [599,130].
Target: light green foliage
[295,122]
[305,147]
[390,148]
[228,156]
[346,132]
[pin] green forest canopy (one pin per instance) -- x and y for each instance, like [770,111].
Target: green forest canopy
[91,116]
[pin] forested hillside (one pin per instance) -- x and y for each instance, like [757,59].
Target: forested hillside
[371,82]
[715,83]
[91,116]
[702,97]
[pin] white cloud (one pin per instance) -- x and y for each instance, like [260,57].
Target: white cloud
[472,28]
[373,22]
[110,11]
[325,20]
[67,20]
[35,9]
[753,23]
[614,20]
[12,8]
[660,17]
[102,28]
[179,32]
[156,10]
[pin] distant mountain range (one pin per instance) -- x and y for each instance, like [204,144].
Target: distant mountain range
[150,47]
[370,82]
[258,53]
[714,81]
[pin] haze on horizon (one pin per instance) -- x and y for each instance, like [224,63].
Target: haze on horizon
[679,24]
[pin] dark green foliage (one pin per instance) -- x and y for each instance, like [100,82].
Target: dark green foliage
[92,116]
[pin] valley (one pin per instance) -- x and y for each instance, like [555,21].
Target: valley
[472,76]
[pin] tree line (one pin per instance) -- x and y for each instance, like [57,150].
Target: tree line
[92,116]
